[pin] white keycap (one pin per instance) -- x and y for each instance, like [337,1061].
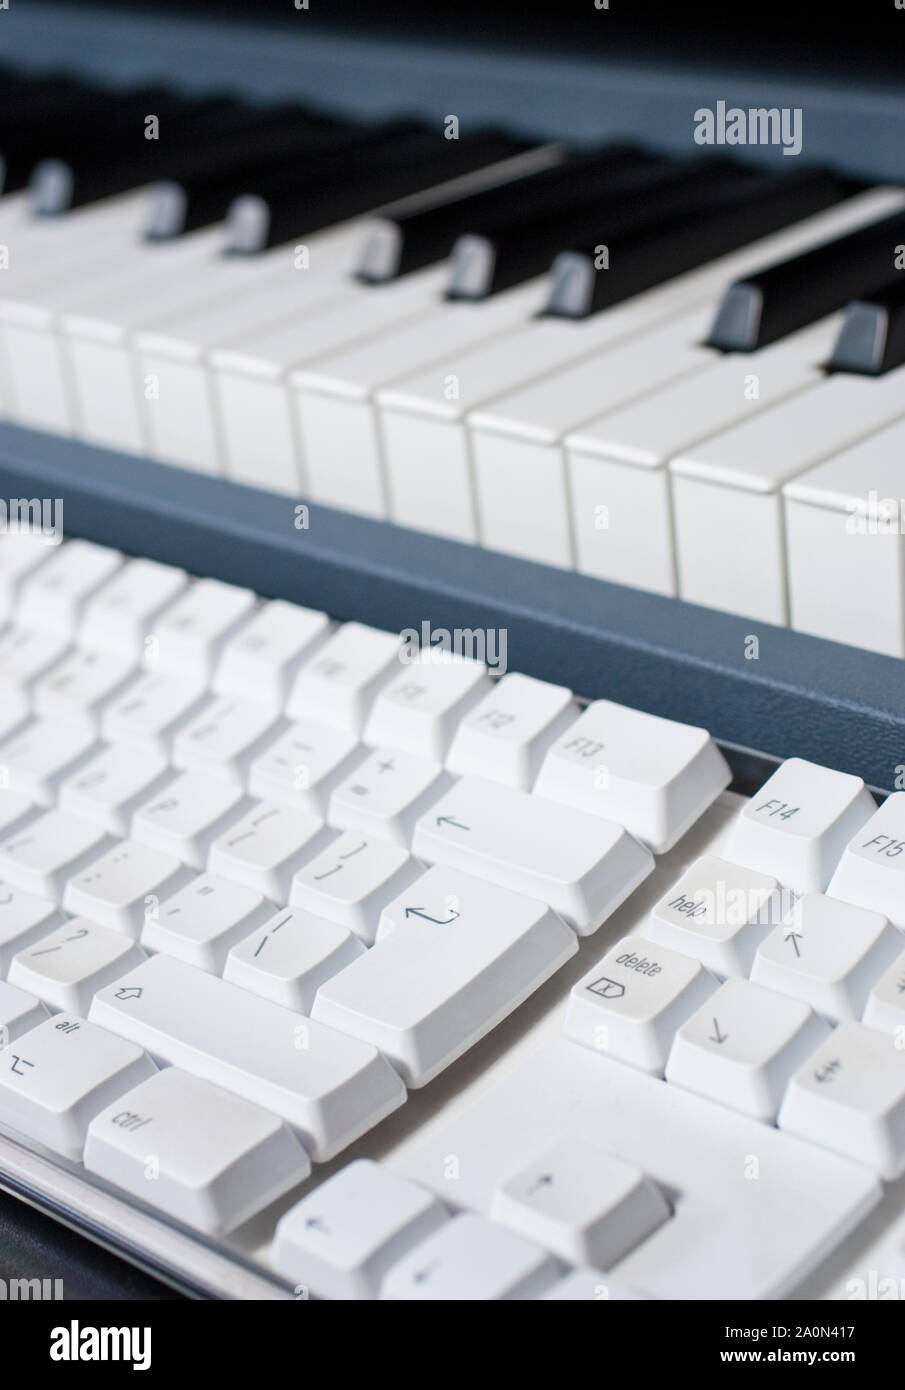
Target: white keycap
[741,1047]
[581,1203]
[339,684]
[24,918]
[850,1097]
[82,685]
[55,1079]
[14,712]
[719,913]
[192,632]
[827,953]
[454,956]
[328,1087]
[123,884]
[15,810]
[886,1002]
[153,709]
[263,659]
[20,553]
[386,794]
[202,921]
[42,754]
[419,709]
[589,1286]
[304,764]
[264,848]
[797,825]
[46,853]
[25,654]
[351,881]
[341,1240]
[871,872]
[109,786]
[224,736]
[218,1159]
[633,1001]
[506,736]
[288,957]
[54,596]
[583,866]
[19,1012]
[67,966]
[844,545]
[470,1260]
[186,816]
[120,614]
[652,775]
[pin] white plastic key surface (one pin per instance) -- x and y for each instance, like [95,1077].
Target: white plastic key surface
[264,848]
[797,825]
[82,684]
[55,595]
[190,634]
[352,879]
[581,1203]
[203,920]
[871,872]
[583,866]
[507,735]
[471,1260]
[631,1004]
[42,856]
[850,1097]
[55,1079]
[262,660]
[827,953]
[19,1012]
[340,1241]
[340,682]
[717,912]
[67,966]
[40,755]
[302,766]
[224,736]
[122,885]
[741,1047]
[23,918]
[885,1008]
[152,709]
[652,775]
[187,814]
[107,788]
[386,794]
[419,709]
[328,1087]
[290,955]
[454,956]
[119,615]
[219,1159]
[25,653]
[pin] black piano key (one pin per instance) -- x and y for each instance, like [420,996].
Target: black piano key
[786,296]
[687,227]
[407,241]
[33,114]
[484,263]
[872,337]
[300,202]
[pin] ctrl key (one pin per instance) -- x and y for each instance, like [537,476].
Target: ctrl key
[56,1078]
[634,1000]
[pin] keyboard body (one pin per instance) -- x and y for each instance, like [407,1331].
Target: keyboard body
[835,705]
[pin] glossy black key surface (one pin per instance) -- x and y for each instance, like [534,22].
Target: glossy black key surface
[791,294]
[408,241]
[686,226]
[33,113]
[872,337]
[352,182]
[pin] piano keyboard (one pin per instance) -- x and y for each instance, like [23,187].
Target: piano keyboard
[682,375]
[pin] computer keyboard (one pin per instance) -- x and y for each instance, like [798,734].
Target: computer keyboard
[265,877]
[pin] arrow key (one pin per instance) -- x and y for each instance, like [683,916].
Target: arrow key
[340,1240]
[741,1048]
[472,1260]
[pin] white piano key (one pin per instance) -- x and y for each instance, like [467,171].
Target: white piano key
[519,464]
[263,659]
[845,520]
[55,1079]
[67,966]
[19,1012]
[454,956]
[798,824]
[423,415]
[339,1241]
[120,614]
[119,887]
[582,865]
[202,921]
[54,596]
[328,1087]
[220,1159]
[619,486]
[652,775]
[252,394]
[288,957]
[508,734]
[727,492]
